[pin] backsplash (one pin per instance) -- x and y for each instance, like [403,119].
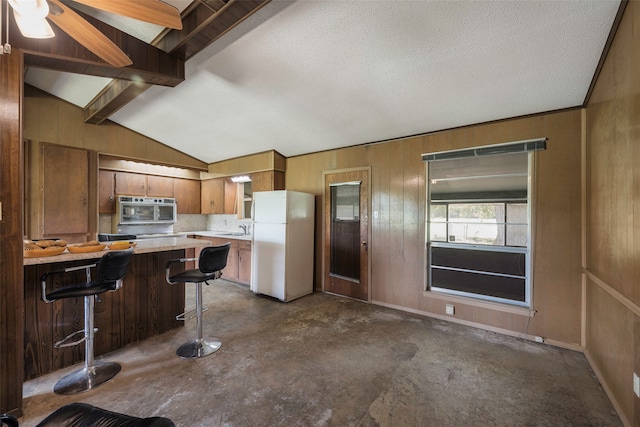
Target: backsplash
[191,222]
[227,222]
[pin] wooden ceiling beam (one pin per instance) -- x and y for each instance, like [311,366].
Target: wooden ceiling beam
[151,65]
[203,22]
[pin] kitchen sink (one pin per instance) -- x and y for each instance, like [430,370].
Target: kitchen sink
[230,233]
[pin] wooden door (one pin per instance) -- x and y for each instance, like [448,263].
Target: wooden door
[65,191]
[346,234]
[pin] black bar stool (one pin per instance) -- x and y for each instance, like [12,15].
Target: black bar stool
[111,270]
[210,264]
[8,420]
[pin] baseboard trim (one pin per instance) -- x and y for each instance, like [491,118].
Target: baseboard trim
[574,347]
[607,390]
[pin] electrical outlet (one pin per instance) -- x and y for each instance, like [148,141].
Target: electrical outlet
[450,309]
[636,384]
[539,339]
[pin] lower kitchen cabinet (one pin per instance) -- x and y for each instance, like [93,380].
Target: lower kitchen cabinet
[244,261]
[238,267]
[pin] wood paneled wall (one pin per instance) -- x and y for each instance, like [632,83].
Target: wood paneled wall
[612,229]
[397,239]
[11,274]
[50,119]
[265,161]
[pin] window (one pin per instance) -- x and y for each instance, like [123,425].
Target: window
[478,222]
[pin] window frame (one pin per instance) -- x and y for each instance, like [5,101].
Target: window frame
[526,250]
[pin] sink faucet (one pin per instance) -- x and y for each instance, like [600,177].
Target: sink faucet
[244,228]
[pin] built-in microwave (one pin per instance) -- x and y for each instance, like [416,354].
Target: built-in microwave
[138,210]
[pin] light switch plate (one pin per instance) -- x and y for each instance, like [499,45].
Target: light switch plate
[636,384]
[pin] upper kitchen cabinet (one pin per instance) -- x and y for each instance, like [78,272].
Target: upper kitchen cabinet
[58,198]
[212,196]
[160,186]
[230,196]
[219,196]
[267,181]
[66,191]
[106,191]
[130,184]
[187,194]
[136,184]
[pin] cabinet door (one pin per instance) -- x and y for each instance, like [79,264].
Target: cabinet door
[230,197]
[230,272]
[159,186]
[187,194]
[106,192]
[65,191]
[131,184]
[244,262]
[212,196]
[262,181]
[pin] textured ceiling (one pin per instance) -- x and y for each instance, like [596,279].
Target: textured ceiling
[306,76]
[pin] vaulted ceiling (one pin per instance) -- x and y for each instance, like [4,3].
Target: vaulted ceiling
[305,76]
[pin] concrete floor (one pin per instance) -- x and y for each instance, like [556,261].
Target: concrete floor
[328,361]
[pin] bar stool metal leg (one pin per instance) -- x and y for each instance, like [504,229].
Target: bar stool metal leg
[198,347]
[92,374]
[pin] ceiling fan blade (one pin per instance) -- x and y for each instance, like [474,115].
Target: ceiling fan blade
[88,35]
[153,11]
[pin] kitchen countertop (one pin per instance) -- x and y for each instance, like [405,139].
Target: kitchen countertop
[142,246]
[221,234]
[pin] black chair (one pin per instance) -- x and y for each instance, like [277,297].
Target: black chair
[210,264]
[8,420]
[85,415]
[111,270]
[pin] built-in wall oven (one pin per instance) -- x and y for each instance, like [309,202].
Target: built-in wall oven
[146,210]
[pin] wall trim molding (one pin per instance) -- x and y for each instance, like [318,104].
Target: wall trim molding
[635,309]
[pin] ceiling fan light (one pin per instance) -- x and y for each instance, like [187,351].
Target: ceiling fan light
[33,28]
[31,8]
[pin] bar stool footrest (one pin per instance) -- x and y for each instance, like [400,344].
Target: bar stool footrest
[189,314]
[198,348]
[63,342]
[87,378]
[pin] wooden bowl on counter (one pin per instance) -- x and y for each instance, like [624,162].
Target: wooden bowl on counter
[84,248]
[120,245]
[37,253]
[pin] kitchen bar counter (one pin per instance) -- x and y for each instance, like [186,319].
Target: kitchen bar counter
[145,306]
[221,234]
[142,246]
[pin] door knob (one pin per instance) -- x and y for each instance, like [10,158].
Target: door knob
[363,243]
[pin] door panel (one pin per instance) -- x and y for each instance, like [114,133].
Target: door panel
[346,234]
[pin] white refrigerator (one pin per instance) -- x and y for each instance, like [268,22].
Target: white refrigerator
[282,253]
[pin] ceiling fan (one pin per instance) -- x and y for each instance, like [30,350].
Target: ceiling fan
[30,16]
